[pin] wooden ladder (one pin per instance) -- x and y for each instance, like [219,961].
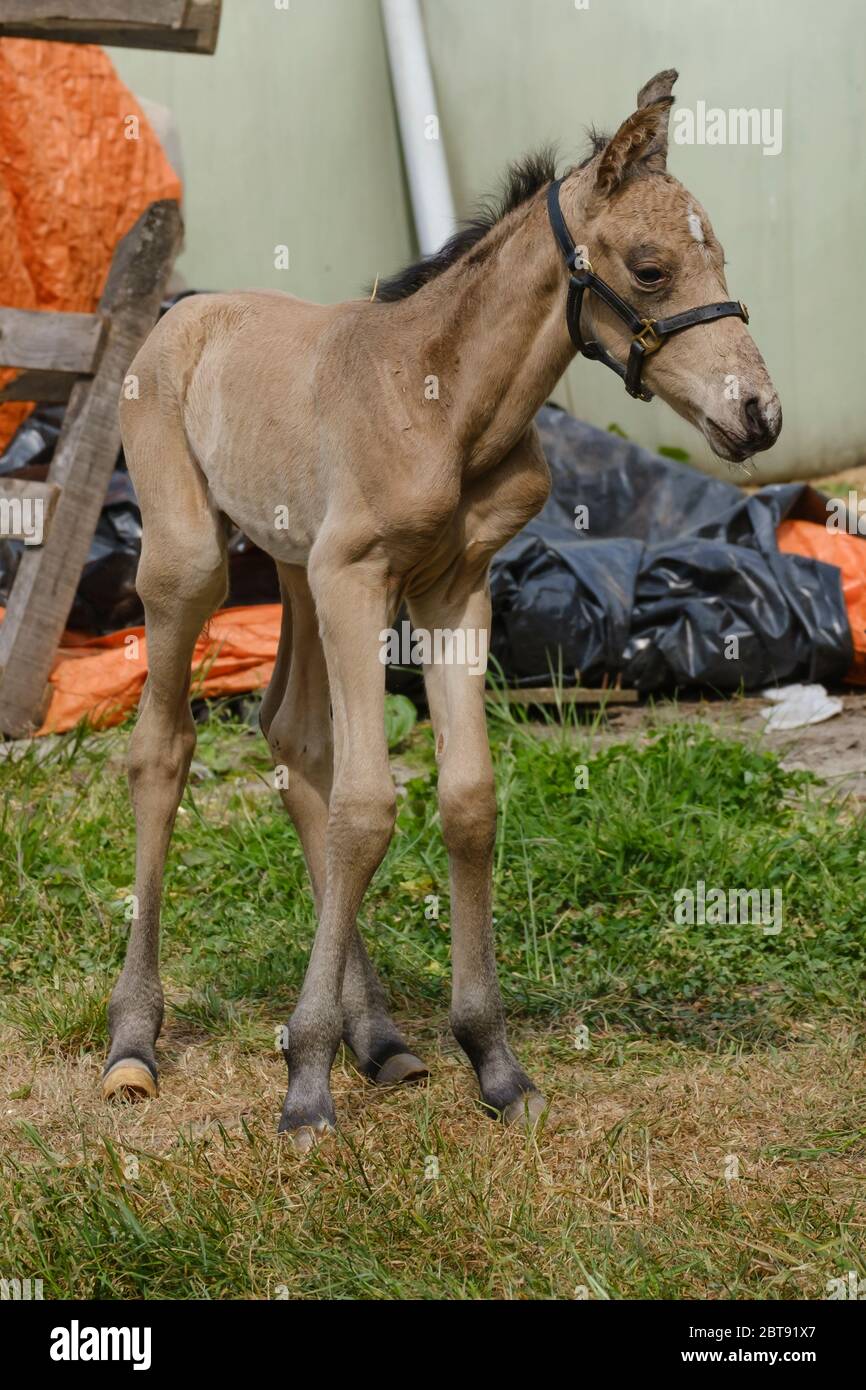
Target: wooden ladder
[82,359]
[84,356]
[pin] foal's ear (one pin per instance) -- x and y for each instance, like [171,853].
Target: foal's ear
[658,87]
[643,138]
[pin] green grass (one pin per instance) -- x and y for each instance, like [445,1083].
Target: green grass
[585,880]
[587,864]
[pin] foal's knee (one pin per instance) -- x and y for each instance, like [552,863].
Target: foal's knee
[361,822]
[467,810]
[161,747]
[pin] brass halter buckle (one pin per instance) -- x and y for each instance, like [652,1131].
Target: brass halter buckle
[648,338]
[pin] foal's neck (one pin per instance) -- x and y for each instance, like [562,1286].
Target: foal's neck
[494,329]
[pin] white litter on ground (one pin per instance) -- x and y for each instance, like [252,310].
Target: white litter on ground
[795,706]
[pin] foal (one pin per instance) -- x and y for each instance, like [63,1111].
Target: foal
[397,437]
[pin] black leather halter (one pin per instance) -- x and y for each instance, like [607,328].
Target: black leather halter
[649,334]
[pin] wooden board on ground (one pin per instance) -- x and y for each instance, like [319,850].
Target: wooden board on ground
[571,695]
[185,26]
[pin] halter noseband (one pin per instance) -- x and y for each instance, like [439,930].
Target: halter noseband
[649,334]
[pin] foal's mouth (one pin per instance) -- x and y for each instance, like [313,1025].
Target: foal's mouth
[734,447]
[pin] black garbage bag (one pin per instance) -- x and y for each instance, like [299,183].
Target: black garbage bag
[32,444]
[658,574]
[105,599]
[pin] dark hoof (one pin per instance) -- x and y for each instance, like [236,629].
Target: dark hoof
[129,1079]
[402,1067]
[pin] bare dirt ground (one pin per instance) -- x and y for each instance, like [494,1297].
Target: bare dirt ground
[834,750]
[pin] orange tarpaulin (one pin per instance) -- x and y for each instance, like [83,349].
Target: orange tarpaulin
[101,678]
[848,554]
[79,163]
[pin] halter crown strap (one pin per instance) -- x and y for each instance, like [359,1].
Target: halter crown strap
[648,334]
[559,226]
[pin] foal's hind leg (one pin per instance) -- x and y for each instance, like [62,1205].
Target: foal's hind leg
[296,721]
[181,581]
[352,607]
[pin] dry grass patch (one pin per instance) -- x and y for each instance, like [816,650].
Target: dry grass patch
[662,1172]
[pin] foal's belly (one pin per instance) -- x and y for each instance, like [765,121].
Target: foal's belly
[267,509]
[259,476]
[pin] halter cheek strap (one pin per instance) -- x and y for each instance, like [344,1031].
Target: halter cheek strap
[648,335]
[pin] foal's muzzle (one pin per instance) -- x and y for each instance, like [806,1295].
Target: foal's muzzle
[758,428]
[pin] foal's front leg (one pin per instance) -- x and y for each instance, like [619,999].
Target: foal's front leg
[296,720]
[351,603]
[467,808]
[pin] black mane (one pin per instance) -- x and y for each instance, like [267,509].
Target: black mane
[523,180]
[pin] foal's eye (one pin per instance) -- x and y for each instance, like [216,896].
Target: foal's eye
[648,275]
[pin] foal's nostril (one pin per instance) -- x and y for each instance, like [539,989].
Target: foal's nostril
[756,419]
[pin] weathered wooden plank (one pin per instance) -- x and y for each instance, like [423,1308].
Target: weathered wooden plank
[203,16]
[571,695]
[39,386]
[47,577]
[51,342]
[26,509]
[189,26]
[170,13]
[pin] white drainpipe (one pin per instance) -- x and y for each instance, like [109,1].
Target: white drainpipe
[426,167]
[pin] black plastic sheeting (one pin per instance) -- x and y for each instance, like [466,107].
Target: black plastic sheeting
[669,566]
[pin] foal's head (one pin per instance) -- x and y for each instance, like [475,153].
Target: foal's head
[651,240]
